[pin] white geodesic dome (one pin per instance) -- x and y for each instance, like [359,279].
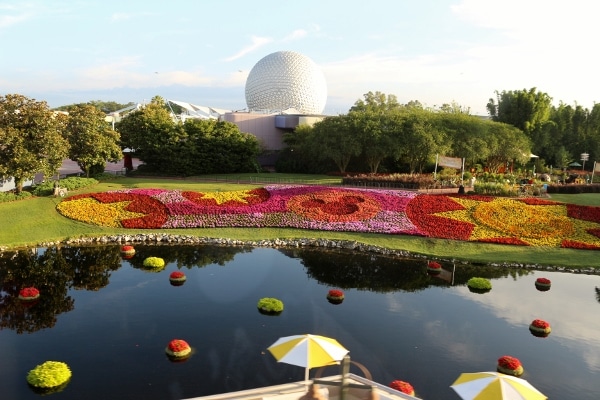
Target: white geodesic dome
[284,80]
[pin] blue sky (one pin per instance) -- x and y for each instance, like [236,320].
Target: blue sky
[433,51]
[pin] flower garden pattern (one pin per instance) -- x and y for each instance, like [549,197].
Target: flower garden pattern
[522,221]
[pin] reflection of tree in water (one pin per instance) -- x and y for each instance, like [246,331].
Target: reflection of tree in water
[92,265]
[187,256]
[381,273]
[597,293]
[53,271]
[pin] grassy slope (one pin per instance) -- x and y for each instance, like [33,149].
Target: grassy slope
[33,221]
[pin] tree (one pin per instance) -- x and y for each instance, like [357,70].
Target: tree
[421,139]
[150,131]
[31,140]
[376,102]
[337,140]
[92,141]
[505,144]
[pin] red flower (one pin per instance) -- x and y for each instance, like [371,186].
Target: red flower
[434,265]
[176,275]
[540,323]
[403,387]
[127,248]
[509,362]
[543,281]
[178,345]
[335,293]
[29,292]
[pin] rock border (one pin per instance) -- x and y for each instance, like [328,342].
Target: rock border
[162,238]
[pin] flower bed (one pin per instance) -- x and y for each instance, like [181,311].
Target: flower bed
[479,285]
[177,278]
[510,366]
[335,296]
[523,222]
[543,284]
[540,328]
[178,350]
[270,306]
[403,387]
[49,377]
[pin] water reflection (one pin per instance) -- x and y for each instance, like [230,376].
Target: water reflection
[398,320]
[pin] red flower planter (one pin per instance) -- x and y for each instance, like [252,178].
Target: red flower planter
[540,328]
[510,366]
[127,251]
[543,284]
[403,387]
[29,296]
[434,268]
[335,296]
[178,350]
[177,278]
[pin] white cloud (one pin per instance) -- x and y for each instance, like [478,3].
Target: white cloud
[257,42]
[295,35]
[119,17]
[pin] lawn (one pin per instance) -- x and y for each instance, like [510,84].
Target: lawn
[34,221]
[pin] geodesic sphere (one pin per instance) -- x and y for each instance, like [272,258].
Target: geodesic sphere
[286,79]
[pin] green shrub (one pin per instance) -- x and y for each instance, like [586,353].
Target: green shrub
[73,183]
[12,196]
[270,305]
[479,284]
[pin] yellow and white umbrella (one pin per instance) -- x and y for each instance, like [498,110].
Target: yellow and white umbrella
[308,351]
[494,386]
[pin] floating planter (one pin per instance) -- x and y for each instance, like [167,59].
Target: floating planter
[154,263]
[479,285]
[510,366]
[540,328]
[49,377]
[403,387]
[29,295]
[335,296]
[270,306]
[434,268]
[127,251]
[178,350]
[543,284]
[177,278]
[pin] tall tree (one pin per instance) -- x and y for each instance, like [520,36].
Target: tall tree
[92,141]
[376,102]
[31,139]
[337,140]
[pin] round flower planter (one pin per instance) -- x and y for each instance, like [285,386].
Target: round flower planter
[510,366]
[270,306]
[540,328]
[178,350]
[127,251]
[434,268]
[479,285]
[543,284]
[29,296]
[335,296]
[177,278]
[403,387]
[49,377]
[154,264]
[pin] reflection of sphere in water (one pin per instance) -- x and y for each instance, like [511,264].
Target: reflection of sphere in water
[286,79]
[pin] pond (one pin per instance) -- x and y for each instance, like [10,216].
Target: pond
[110,320]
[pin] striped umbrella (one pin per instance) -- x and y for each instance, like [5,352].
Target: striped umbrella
[308,351]
[494,386]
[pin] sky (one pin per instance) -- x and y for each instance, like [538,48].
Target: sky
[201,51]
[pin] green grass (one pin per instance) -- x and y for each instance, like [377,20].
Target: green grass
[35,221]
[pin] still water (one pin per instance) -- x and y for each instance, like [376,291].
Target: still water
[110,320]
